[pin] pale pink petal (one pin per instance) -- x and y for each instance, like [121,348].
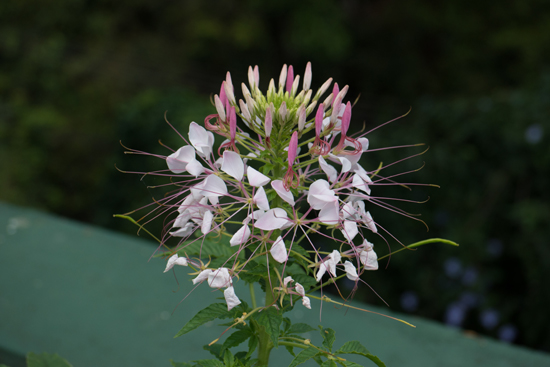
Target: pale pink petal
[350,230]
[260,199]
[329,214]
[177,161]
[207,222]
[272,219]
[203,275]
[351,272]
[184,231]
[287,280]
[231,298]
[233,165]
[331,172]
[360,184]
[241,236]
[283,194]
[219,278]
[195,168]
[256,178]
[320,194]
[200,139]
[364,143]
[347,211]
[321,271]
[369,259]
[214,186]
[278,251]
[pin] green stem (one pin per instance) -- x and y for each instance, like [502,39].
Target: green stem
[264,339]
[253,295]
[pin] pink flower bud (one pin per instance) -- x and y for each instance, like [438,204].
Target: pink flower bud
[232,124]
[283,112]
[346,118]
[301,117]
[268,120]
[219,107]
[335,90]
[257,76]
[319,119]
[282,77]
[289,79]
[292,148]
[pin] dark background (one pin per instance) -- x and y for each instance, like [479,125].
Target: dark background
[78,76]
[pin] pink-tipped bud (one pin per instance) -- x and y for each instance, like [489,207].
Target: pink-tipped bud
[283,112]
[229,92]
[249,103]
[301,112]
[323,88]
[289,79]
[232,123]
[311,107]
[251,80]
[328,100]
[219,107]
[292,148]
[346,118]
[271,89]
[307,76]
[342,93]
[244,89]
[307,98]
[319,119]
[282,77]
[268,120]
[335,90]
[244,110]
[223,96]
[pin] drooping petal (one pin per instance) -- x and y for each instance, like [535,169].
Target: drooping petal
[185,231]
[360,184]
[351,272]
[320,194]
[350,230]
[369,259]
[175,260]
[241,236]
[195,168]
[203,275]
[331,172]
[287,196]
[300,290]
[256,178]
[329,214]
[278,251]
[233,165]
[213,187]
[260,199]
[347,211]
[207,222]
[287,280]
[177,161]
[219,278]
[364,143]
[231,298]
[272,219]
[321,272]
[306,302]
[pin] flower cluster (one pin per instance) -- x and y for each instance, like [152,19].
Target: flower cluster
[287,167]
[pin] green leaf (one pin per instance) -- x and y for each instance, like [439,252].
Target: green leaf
[46,360]
[328,337]
[215,349]
[349,364]
[228,358]
[210,313]
[252,344]
[271,320]
[209,363]
[300,328]
[290,350]
[179,364]
[329,363]
[304,356]
[237,338]
[210,247]
[355,347]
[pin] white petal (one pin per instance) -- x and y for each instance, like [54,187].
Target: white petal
[306,302]
[364,143]
[203,275]
[177,162]
[201,139]
[272,219]
[320,194]
[288,280]
[351,272]
[329,214]
[283,194]
[256,178]
[195,168]
[231,298]
[207,222]
[360,184]
[369,259]
[350,230]
[260,199]
[300,290]
[331,172]
[347,211]
[219,278]
[278,251]
[233,165]
[214,186]
[321,271]
[184,231]
[175,260]
[241,236]
[370,222]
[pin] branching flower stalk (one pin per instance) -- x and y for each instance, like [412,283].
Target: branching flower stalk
[287,170]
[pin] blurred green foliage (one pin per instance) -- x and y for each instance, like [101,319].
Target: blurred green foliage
[78,76]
